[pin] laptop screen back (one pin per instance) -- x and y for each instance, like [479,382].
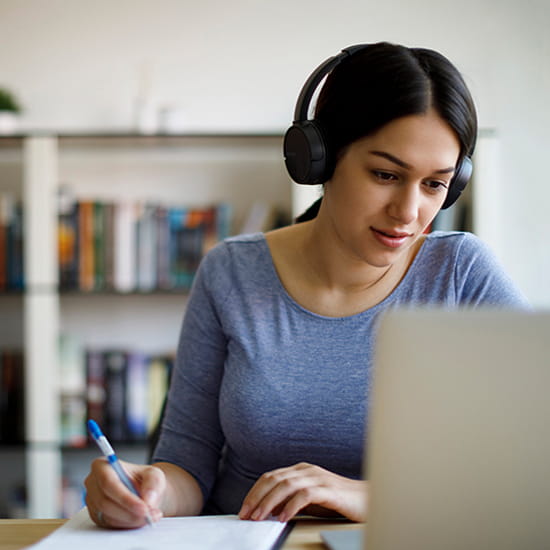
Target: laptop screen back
[458,450]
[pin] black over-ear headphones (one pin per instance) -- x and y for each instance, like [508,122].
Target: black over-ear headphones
[306,152]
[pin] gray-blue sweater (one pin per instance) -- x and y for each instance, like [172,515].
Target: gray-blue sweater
[260,382]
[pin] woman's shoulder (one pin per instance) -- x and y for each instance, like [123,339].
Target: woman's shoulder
[455,242]
[449,251]
[234,256]
[235,247]
[452,238]
[477,274]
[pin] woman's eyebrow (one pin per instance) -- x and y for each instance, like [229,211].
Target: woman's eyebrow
[405,165]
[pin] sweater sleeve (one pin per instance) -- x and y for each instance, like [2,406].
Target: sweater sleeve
[191,436]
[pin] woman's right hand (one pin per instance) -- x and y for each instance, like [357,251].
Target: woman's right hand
[111,504]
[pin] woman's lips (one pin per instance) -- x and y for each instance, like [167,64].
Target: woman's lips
[391,239]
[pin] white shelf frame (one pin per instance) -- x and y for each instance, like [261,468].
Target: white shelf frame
[41,322]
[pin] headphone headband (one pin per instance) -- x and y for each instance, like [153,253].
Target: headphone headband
[315,78]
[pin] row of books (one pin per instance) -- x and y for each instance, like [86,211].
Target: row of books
[123,391]
[12,404]
[11,243]
[130,246]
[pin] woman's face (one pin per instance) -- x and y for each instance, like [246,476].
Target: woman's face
[387,187]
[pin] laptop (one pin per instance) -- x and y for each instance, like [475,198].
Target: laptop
[458,452]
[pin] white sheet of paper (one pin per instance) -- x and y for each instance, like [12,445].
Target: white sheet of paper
[181,533]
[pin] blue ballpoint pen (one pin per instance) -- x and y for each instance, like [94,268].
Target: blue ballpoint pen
[108,451]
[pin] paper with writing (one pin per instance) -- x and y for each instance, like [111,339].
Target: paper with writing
[181,533]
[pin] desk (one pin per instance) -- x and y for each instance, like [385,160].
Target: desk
[16,534]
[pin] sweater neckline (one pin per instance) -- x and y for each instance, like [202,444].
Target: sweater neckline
[356,316]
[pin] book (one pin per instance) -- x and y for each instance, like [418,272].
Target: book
[67,239]
[72,370]
[86,270]
[136,396]
[146,248]
[109,252]
[124,243]
[95,384]
[12,409]
[115,374]
[99,245]
[157,387]
[7,203]
[14,248]
[162,248]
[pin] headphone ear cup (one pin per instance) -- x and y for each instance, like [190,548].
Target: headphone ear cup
[305,152]
[458,182]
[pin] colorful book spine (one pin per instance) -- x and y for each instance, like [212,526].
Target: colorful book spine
[67,233]
[86,274]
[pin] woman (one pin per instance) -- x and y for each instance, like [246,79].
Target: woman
[267,408]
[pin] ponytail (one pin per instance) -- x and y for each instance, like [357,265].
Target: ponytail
[310,213]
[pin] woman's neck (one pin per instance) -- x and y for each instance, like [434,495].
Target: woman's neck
[321,277]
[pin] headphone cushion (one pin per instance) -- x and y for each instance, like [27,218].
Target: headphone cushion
[305,153]
[459,182]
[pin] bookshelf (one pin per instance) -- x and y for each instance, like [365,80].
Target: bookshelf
[194,171]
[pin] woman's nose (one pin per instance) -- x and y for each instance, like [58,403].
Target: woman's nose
[405,204]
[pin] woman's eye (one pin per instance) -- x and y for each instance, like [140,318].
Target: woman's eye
[384,176]
[436,185]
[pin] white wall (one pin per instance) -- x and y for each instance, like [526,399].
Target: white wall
[238,65]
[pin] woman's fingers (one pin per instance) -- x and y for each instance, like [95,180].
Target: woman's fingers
[302,499]
[274,490]
[287,491]
[270,492]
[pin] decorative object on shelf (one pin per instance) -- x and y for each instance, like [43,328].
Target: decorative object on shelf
[9,112]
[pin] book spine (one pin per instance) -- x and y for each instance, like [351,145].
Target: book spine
[109,222]
[86,245]
[163,248]
[146,249]
[99,245]
[6,215]
[95,384]
[136,396]
[72,370]
[67,236]
[12,419]
[158,379]
[15,250]
[115,423]
[125,242]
